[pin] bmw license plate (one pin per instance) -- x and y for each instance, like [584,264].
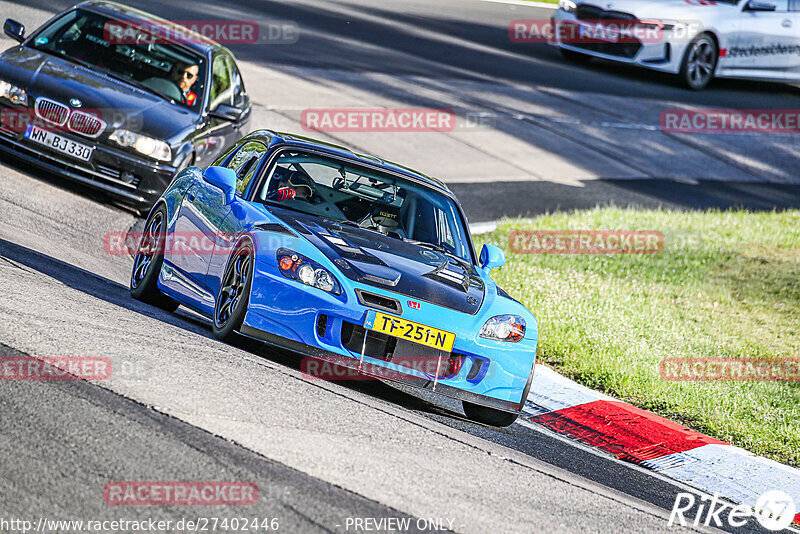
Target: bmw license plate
[414,332]
[58,143]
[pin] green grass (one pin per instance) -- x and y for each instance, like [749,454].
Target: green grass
[727,284]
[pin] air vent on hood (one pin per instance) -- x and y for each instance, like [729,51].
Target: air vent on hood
[274,227]
[379,302]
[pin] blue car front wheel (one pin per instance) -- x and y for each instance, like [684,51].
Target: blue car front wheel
[234,294]
[148,261]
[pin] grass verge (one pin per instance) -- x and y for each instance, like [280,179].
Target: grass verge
[725,285]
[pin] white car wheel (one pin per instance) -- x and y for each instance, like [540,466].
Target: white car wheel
[699,62]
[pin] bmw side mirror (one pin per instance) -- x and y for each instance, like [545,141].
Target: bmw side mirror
[760,5]
[491,257]
[227,112]
[14,29]
[224,179]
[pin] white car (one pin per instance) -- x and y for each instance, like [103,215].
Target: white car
[696,39]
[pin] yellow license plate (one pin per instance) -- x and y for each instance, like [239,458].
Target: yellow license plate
[415,332]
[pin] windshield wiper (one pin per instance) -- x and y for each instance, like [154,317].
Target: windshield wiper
[62,55]
[348,222]
[354,224]
[109,73]
[135,83]
[424,244]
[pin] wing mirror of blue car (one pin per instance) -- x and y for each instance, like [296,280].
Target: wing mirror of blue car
[224,179]
[14,29]
[491,257]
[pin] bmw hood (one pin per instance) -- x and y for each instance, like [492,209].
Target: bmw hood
[388,263]
[119,104]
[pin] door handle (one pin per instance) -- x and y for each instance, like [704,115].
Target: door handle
[787,23]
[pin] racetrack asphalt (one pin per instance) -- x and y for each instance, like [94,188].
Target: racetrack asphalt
[190,408]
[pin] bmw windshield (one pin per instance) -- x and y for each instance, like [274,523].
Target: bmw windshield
[357,196]
[122,51]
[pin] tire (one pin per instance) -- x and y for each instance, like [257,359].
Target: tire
[575,57]
[148,261]
[488,416]
[699,62]
[234,294]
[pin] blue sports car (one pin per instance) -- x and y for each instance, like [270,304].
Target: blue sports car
[343,257]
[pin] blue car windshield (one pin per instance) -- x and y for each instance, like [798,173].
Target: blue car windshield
[334,189]
[141,56]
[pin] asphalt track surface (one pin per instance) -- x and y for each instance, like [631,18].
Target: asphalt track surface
[189,408]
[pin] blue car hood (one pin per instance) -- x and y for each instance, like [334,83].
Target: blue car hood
[389,263]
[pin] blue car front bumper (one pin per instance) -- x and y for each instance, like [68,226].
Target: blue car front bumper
[289,314]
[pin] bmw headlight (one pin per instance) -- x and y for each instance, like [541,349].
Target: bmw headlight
[14,94]
[567,5]
[297,267]
[509,328]
[673,25]
[142,144]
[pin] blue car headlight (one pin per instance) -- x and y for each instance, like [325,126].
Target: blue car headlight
[14,94]
[509,328]
[293,265]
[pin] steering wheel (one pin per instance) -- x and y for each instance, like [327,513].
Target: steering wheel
[165,87]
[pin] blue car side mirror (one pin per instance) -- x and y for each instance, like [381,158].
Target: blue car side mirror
[491,257]
[224,179]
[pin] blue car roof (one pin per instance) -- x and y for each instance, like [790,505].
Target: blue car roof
[270,138]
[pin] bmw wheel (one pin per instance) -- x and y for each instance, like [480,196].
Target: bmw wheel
[699,62]
[148,261]
[488,416]
[234,294]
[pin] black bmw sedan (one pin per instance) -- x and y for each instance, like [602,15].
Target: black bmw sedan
[118,99]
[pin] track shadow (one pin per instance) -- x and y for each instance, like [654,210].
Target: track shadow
[64,184]
[492,201]
[441,46]
[118,295]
